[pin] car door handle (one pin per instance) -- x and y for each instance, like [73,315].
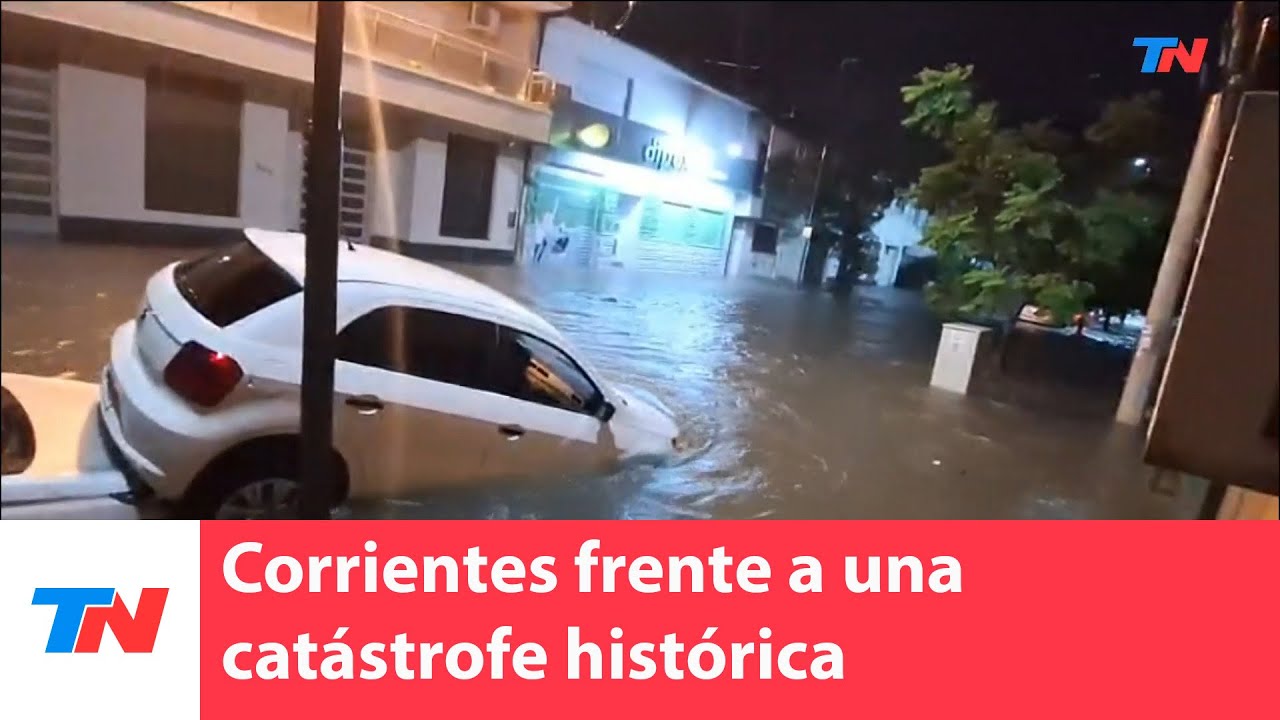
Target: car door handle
[366,404]
[513,432]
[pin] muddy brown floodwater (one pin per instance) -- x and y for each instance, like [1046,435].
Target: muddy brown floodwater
[796,404]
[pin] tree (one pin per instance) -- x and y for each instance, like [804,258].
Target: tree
[1006,223]
[849,204]
[1128,153]
[840,203]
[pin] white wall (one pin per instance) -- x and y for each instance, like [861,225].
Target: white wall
[507,182]
[182,28]
[716,121]
[265,172]
[404,201]
[598,86]
[598,66]
[762,265]
[101,141]
[790,258]
[428,159]
[100,128]
[427,191]
[517,30]
[292,199]
[739,251]
[661,100]
[901,227]
[389,193]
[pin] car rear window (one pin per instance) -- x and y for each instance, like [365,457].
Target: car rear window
[232,284]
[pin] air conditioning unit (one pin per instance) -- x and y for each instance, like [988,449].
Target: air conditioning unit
[483,18]
[542,89]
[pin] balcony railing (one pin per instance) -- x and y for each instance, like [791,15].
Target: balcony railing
[402,42]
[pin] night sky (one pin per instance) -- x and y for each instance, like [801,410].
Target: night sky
[1038,59]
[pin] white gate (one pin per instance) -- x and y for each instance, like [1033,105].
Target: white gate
[26,125]
[352,198]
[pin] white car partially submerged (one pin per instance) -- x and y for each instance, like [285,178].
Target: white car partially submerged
[440,380]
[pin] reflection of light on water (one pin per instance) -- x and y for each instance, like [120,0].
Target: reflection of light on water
[676,348]
[385,202]
[382,170]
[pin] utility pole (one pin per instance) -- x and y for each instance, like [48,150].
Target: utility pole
[319,298]
[838,94]
[817,185]
[1157,333]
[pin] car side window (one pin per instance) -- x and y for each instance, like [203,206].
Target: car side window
[534,370]
[429,344]
[368,340]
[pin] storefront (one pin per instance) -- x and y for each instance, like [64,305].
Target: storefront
[609,192]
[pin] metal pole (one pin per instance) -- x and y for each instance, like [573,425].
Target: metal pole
[813,206]
[319,298]
[817,183]
[1157,334]
[1263,68]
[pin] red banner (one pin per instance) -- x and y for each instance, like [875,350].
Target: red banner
[644,619]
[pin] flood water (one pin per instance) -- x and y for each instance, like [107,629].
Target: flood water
[798,405]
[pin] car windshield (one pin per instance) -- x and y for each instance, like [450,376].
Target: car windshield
[231,284]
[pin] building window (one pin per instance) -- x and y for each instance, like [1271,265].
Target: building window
[764,240]
[468,188]
[192,144]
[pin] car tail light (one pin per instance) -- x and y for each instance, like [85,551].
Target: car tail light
[201,375]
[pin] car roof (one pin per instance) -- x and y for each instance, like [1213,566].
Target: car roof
[363,264]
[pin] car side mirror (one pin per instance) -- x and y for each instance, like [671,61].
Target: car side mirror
[606,411]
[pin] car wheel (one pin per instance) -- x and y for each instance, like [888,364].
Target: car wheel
[258,479]
[267,498]
[245,488]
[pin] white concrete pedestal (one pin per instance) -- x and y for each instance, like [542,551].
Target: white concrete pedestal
[957,351]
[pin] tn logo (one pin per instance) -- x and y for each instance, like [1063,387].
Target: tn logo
[84,613]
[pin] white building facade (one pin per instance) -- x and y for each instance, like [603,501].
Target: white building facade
[898,232]
[647,168]
[174,120]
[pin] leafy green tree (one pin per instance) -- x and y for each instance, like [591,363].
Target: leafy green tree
[1007,224]
[1128,158]
[848,205]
